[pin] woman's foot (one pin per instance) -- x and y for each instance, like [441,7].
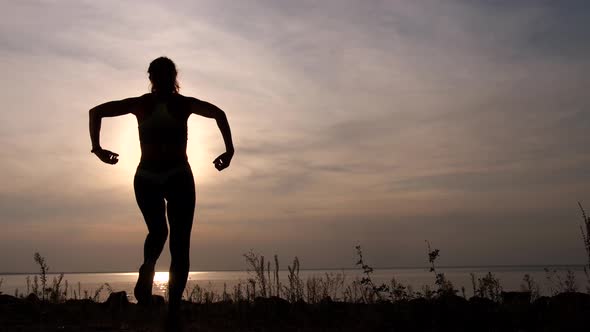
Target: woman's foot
[143,288]
[173,322]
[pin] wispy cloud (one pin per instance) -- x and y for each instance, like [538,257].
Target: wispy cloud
[385,122]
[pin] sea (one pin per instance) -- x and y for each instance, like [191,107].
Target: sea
[548,278]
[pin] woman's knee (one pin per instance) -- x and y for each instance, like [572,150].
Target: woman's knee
[180,264]
[180,253]
[159,233]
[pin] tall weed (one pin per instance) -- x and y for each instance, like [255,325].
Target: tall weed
[585,230]
[444,286]
[294,291]
[375,291]
[530,285]
[487,287]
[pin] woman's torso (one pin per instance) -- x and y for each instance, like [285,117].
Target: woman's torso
[162,126]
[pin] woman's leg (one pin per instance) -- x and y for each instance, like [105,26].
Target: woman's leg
[150,198]
[180,194]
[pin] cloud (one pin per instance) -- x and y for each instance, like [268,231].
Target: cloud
[346,116]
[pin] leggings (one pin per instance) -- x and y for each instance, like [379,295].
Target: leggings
[171,191]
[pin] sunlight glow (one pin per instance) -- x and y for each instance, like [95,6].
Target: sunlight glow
[120,135]
[161,277]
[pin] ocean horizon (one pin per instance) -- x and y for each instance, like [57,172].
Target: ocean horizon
[401,267]
[510,277]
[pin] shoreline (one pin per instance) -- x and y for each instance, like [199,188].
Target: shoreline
[457,267]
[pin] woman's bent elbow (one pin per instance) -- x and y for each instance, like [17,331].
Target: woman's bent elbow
[94,113]
[220,115]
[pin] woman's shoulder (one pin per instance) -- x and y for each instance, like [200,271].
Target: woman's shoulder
[184,98]
[175,100]
[187,101]
[180,104]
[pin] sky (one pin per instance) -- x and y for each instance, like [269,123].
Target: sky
[375,123]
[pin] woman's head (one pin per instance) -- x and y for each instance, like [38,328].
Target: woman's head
[163,76]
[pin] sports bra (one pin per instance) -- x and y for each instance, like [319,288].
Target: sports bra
[162,120]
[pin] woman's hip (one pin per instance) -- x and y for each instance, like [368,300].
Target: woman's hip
[178,174]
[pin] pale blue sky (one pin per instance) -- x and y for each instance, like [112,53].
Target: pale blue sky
[383,123]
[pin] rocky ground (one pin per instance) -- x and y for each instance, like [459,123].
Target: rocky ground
[563,312]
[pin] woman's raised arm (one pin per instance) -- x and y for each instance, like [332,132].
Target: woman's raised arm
[209,110]
[110,109]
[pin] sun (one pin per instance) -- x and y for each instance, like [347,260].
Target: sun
[161,277]
[121,136]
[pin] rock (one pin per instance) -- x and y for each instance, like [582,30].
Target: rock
[568,312]
[117,301]
[451,301]
[158,301]
[418,302]
[270,302]
[571,301]
[449,311]
[482,306]
[271,307]
[32,298]
[326,300]
[482,301]
[542,302]
[8,299]
[516,298]
[300,302]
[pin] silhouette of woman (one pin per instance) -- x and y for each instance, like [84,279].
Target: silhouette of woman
[164,180]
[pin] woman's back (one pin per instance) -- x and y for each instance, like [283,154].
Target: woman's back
[162,126]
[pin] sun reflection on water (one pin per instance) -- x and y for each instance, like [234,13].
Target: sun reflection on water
[161,277]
